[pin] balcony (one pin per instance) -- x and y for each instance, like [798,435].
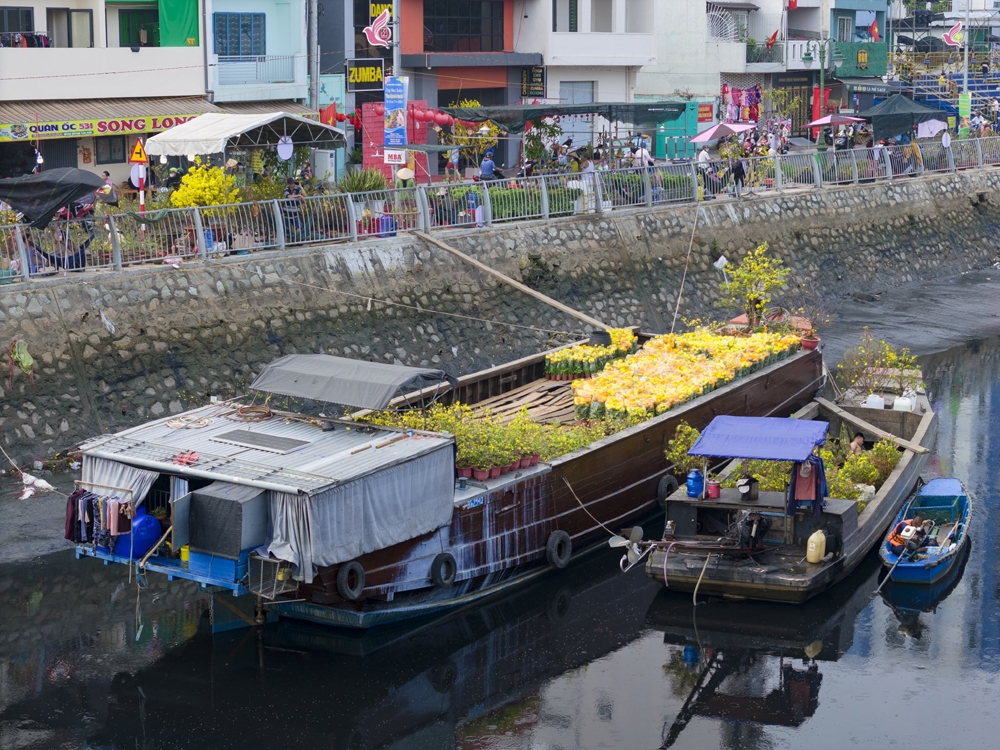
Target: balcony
[258,77]
[763,59]
[100,72]
[600,49]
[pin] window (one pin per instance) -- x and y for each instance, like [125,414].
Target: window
[139,27]
[845,30]
[70,28]
[463,26]
[16,19]
[239,34]
[111,149]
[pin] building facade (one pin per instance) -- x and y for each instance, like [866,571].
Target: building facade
[79,82]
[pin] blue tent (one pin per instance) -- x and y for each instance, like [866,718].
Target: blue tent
[765,438]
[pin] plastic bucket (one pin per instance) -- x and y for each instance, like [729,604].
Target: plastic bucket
[713,489]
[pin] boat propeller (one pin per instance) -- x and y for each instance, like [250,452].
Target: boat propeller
[634,553]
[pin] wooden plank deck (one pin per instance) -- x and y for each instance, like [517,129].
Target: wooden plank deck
[548,401]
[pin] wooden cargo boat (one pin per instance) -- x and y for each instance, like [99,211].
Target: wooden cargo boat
[367,525]
[947,508]
[736,548]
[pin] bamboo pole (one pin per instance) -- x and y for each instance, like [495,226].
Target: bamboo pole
[511,282]
[859,422]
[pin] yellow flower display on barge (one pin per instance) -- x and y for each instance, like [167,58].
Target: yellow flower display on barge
[584,360]
[672,369]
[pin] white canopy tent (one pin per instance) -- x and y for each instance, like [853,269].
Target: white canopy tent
[213,133]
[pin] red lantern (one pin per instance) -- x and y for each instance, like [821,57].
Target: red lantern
[451,120]
[380,110]
[420,115]
[441,118]
[341,117]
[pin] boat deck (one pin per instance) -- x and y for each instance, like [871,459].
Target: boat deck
[548,401]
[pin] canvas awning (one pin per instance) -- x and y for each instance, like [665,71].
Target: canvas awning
[763,438]
[898,114]
[213,133]
[513,117]
[39,196]
[350,382]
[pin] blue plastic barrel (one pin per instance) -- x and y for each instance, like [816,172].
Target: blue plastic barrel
[695,483]
[145,533]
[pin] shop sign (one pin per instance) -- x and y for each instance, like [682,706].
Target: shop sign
[868,88]
[379,32]
[395,111]
[377,9]
[365,74]
[533,82]
[86,128]
[395,157]
[791,80]
[862,61]
[706,112]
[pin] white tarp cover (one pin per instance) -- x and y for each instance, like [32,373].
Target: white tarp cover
[367,514]
[101,475]
[212,133]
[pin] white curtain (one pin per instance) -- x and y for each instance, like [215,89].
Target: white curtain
[101,476]
[368,514]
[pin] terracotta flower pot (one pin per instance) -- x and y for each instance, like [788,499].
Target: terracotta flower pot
[463,472]
[810,343]
[534,459]
[495,472]
[514,465]
[525,462]
[504,470]
[480,475]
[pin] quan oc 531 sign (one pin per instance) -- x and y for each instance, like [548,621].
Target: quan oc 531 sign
[85,128]
[365,74]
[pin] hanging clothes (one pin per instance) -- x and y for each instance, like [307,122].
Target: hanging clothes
[808,483]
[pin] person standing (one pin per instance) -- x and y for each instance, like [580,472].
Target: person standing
[291,207]
[739,175]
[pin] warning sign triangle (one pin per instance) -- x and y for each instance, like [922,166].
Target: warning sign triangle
[138,153]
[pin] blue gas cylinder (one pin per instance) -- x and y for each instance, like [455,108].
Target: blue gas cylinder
[695,483]
[145,533]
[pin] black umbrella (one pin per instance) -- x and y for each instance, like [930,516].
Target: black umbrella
[39,196]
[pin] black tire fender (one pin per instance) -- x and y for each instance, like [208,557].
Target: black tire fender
[444,569]
[351,580]
[559,549]
[666,487]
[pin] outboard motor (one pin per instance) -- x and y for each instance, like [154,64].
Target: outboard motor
[750,529]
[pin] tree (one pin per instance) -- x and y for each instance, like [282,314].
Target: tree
[781,102]
[750,283]
[205,185]
[538,136]
[468,138]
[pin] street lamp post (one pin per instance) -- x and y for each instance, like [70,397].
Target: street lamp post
[821,46]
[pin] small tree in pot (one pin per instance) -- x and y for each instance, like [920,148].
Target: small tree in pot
[750,283]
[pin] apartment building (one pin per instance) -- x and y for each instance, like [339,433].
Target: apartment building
[79,82]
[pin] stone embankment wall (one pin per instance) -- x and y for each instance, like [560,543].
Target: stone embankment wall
[206,329]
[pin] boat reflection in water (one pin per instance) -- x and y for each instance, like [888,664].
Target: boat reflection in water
[907,601]
[410,686]
[721,647]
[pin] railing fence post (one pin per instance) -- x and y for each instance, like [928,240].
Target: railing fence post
[694,182]
[817,170]
[487,205]
[199,234]
[423,209]
[352,216]
[598,192]
[279,226]
[22,253]
[951,159]
[647,186]
[545,196]
[886,161]
[854,166]
[979,152]
[116,248]
[779,178]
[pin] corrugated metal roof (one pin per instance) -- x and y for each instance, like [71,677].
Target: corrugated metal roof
[328,459]
[263,108]
[103,109]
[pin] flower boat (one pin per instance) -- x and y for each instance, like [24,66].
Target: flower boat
[775,545]
[357,524]
[927,557]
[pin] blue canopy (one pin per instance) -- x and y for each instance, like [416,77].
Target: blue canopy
[942,487]
[766,438]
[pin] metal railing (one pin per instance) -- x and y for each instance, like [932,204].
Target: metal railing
[256,69]
[115,241]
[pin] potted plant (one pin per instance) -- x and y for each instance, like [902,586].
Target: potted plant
[749,284]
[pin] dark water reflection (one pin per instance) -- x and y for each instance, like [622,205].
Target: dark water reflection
[588,659]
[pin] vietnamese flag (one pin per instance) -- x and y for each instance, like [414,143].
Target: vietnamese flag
[772,39]
[873,29]
[328,116]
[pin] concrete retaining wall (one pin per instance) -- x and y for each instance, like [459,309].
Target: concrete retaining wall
[182,335]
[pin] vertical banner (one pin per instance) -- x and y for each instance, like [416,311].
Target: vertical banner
[964,112]
[395,111]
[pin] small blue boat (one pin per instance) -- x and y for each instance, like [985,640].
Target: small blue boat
[927,560]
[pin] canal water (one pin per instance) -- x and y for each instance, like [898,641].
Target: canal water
[588,658]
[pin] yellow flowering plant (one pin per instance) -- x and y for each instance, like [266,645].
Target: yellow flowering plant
[205,185]
[584,360]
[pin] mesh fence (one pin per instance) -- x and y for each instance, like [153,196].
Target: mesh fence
[572,193]
[965,154]
[456,205]
[797,170]
[384,213]
[240,228]
[10,257]
[155,235]
[934,157]
[903,160]
[521,198]
[991,151]
[73,245]
[671,183]
[627,187]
